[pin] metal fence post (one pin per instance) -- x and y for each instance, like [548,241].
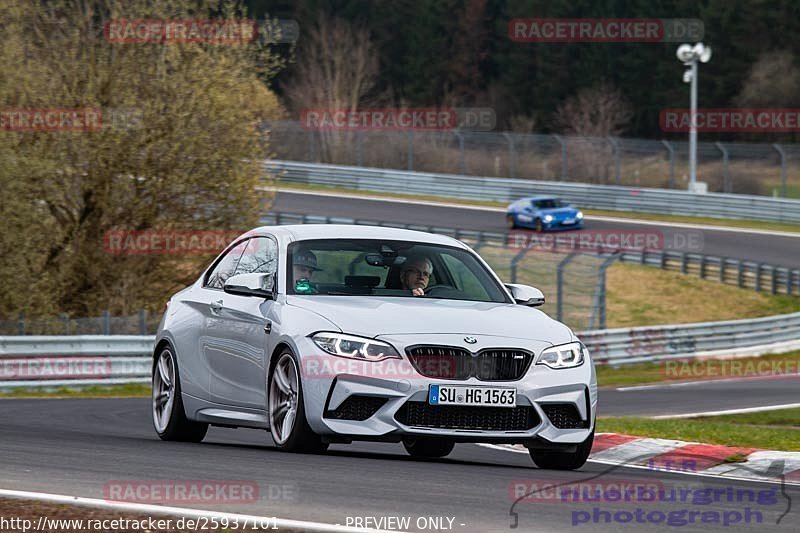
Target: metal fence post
[726,187]
[514,261]
[601,298]
[615,151]
[310,146]
[779,149]
[462,164]
[671,163]
[410,154]
[563,156]
[21,324]
[65,319]
[106,322]
[512,156]
[758,277]
[560,285]
[142,322]
[359,148]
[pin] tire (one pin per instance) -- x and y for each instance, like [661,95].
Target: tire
[553,460]
[428,448]
[510,222]
[169,416]
[538,225]
[285,399]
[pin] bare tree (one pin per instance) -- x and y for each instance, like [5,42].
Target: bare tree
[594,114]
[336,69]
[773,81]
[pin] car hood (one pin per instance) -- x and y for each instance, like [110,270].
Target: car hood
[371,316]
[560,211]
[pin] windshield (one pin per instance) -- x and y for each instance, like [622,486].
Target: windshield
[549,203]
[370,267]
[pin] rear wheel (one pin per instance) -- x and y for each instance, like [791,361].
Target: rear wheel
[510,222]
[555,460]
[428,447]
[288,424]
[169,417]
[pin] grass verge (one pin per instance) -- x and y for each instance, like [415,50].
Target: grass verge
[769,430]
[642,373]
[725,222]
[128,390]
[646,296]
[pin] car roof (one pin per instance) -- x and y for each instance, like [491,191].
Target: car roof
[542,197]
[303,232]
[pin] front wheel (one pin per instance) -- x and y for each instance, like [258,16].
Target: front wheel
[538,225]
[510,222]
[555,460]
[287,414]
[430,448]
[169,416]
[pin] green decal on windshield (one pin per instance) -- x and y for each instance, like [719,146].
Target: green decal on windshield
[303,287]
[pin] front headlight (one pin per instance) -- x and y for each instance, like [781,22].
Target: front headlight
[579,215]
[354,347]
[564,356]
[548,218]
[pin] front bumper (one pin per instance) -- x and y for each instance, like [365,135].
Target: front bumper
[332,385]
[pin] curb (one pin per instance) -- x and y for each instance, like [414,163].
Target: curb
[682,457]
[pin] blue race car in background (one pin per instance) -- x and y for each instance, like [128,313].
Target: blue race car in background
[543,213]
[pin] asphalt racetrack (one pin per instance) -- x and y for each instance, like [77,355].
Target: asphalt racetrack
[86,447]
[779,250]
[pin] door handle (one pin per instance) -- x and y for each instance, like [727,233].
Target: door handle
[216,307]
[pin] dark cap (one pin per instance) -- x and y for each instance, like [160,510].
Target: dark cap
[307,259]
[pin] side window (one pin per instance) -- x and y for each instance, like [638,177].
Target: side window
[465,279]
[260,257]
[225,268]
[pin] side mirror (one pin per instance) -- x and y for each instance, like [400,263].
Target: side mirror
[526,295]
[260,285]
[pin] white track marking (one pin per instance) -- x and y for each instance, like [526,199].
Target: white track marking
[706,382]
[646,222]
[180,511]
[729,411]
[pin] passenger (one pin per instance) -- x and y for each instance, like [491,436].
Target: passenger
[416,274]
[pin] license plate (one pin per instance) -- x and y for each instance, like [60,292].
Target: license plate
[472,396]
[568,221]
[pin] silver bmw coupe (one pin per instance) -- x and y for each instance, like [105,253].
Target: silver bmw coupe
[332,333]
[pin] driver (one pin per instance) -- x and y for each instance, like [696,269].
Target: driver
[416,274]
[304,264]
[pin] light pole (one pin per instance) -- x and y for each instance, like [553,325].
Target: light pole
[689,55]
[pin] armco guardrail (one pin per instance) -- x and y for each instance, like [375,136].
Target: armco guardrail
[81,360]
[52,361]
[743,274]
[755,336]
[611,197]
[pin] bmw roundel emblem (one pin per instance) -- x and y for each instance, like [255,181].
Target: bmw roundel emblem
[470,340]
